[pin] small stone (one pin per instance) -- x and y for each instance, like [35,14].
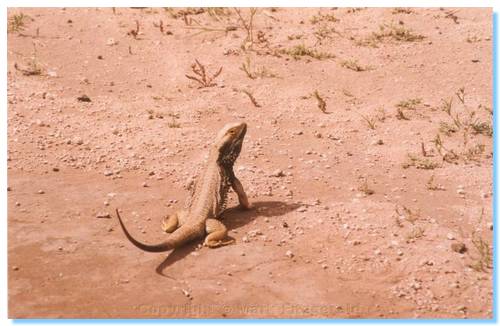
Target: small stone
[460,191]
[18,203]
[289,254]
[278,173]
[103,215]
[15,268]
[450,236]
[490,226]
[107,173]
[459,247]
[9,188]
[41,192]
[77,140]
[84,98]
[285,224]
[106,203]
[301,209]
[111,41]
[377,252]
[399,253]
[324,266]
[245,239]
[55,169]
[145,184]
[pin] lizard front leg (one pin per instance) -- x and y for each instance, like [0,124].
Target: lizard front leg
[216,234]
[171,222]
[242,196]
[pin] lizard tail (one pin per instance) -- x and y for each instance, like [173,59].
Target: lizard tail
[164,246]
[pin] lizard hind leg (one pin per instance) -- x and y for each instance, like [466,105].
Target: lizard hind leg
[216,234]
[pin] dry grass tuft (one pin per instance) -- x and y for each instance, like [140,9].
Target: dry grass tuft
[301,50]
[17,22]
[354,65]
[203,79]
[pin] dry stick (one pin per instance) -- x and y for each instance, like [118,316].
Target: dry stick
[252,98]
[321,102]
[248,27]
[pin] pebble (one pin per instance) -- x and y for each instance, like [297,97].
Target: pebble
[289,254]
[459,247]
[77,140]
[41,192]
[490,226]
[9,188]
[277,173]
[55,169]
[15,268]
[301,209]
[145,184]
[107,173]
[103,215]
[111,41]
[450,236]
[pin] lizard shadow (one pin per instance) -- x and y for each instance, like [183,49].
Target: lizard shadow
[234,218]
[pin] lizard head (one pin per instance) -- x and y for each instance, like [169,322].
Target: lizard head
[229,141]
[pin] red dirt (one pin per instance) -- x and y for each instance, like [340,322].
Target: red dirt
[353,254]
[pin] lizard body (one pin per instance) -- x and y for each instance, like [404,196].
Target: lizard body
[209,198]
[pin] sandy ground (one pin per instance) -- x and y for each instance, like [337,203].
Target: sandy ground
[378,207]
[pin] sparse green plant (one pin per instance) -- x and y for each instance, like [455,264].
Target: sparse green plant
[354,65]
[203,79]
[301,50]
[17,22]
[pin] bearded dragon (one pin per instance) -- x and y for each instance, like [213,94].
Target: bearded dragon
[208,200]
